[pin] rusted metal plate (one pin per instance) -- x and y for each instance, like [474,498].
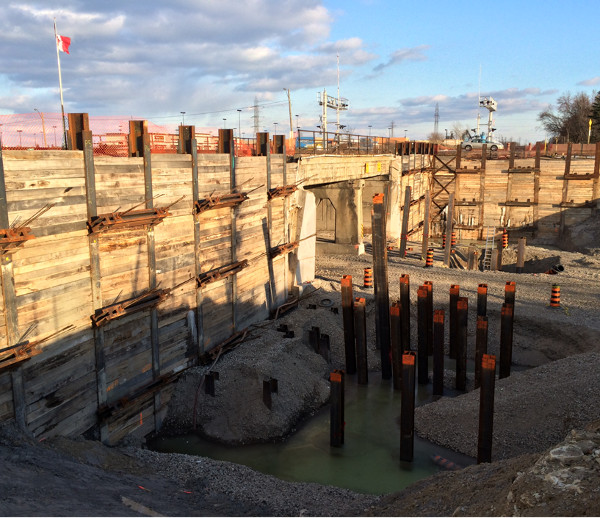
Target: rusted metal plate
[11,238]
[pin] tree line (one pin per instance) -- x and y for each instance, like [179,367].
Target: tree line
[570,120]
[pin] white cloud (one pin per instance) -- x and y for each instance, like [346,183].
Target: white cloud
[127,59]
[405,54]
[593,81]
[419,111]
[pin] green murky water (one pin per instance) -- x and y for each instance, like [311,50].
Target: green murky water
[368,462]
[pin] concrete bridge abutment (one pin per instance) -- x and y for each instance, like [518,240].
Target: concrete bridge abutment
[344,218]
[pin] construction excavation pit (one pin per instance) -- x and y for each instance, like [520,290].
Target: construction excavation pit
[405,334]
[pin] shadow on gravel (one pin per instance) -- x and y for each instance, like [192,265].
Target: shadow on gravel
[536,265]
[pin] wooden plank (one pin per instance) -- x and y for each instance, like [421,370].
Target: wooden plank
[138,420]
[81,420]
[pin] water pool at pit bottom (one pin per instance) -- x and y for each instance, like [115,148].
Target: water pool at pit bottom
[368,462]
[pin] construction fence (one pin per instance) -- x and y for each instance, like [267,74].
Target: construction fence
[41,131]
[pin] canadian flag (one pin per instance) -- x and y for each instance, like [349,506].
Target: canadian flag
[63,42]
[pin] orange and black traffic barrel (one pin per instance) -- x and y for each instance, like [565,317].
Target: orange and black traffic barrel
[368,278]
[555,296]
[429,259]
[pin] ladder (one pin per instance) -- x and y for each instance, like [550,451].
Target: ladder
[490,234]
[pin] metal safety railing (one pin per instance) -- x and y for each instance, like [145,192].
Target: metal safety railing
[318,143]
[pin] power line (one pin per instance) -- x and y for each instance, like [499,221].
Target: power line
[272,103]
[25,119]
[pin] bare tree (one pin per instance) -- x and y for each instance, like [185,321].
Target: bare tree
[436,138]
[570,122]
[458,130]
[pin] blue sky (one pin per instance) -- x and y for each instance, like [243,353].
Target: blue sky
[154,59]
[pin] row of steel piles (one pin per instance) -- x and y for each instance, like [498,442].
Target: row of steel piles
[393,340]
[431,342]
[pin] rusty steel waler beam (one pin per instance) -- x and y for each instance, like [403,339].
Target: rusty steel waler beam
[25,349]
[282,191]
[18,353]
[219,202]
[223,272]
[144,301]
[11,238]
[127,219]
[286,248]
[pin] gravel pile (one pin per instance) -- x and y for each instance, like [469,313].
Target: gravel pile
[563,481]
[236,414]
[541,334]
[533,409]
[268,495]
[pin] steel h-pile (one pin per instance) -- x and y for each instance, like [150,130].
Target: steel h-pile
[336,435]
[348,321]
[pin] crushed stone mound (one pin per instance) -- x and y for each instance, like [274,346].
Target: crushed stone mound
[237,414]
[583,237]
[563,481]
[533,409]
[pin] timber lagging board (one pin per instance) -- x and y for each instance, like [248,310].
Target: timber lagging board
[53,282]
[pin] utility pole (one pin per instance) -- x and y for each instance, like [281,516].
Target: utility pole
[337,108]
[44,126]
[290,108]
[256,116]
[324,116]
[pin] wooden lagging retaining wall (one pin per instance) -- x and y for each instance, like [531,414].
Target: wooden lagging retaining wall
[63,275]
[87,376]
[542,201]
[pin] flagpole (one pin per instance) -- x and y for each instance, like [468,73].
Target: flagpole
[62,105]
